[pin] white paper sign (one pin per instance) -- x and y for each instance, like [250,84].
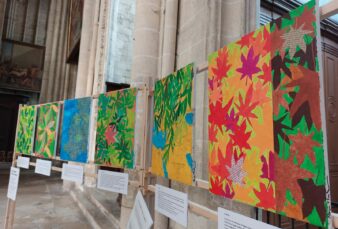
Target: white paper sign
[113,181]
[140,216]
[172,203]
[23,162]
[13,183]
[229,220]
[43,167]
[72,173]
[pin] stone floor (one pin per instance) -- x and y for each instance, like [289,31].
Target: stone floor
[42,203]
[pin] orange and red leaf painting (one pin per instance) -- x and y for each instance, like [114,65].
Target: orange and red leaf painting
[265,129]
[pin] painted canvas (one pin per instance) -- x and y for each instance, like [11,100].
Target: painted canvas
[75,130]
[298,134]
[115,129]
[47,130]
[240,121]
[265,130]
[172,129]
[25,130]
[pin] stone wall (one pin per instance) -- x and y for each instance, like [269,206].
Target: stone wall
[120,41]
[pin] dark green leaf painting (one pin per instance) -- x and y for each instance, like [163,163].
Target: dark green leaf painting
[115,128]
[298,134]
[46,132]
[25,130]
[75,130]
[172,130]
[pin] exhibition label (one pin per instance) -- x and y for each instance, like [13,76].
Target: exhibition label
[140,216]
[72,173]
[43,167]
[23,162]
[113,181]
[172,203]
[13,183]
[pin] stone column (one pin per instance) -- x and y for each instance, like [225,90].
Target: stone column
[144,70]
[87,34]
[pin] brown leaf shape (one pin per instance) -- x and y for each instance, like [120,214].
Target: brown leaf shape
[303,145]
[288,181]
[308,82]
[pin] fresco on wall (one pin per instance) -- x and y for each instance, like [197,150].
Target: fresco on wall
[47,130]
[265,130]
[25,130]
[75,130]
[115,129]
[21,67]
[172,129]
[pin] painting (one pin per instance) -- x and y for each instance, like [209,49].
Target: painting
[74,30]
[25,130]
[172,127]
[75,130]
[298,134]
[47,130]
[115,129]
[240,121]
[265,131]
[21,67]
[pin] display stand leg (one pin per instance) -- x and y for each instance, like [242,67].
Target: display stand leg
[10,212]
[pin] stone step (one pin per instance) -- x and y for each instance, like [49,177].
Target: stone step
[97,215]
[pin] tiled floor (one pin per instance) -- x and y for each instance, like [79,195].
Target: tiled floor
[41,203]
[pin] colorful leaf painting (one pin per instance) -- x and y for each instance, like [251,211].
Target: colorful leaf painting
[47,129]
[265,130]
[75,130]
[172,129]
[115,129]
[25,130]
[298,130]
[240,122]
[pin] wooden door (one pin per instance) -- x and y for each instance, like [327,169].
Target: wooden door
[330,64]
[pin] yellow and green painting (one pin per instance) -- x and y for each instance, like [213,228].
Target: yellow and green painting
[172,129]
[46,130]
[115,129]
[25,130]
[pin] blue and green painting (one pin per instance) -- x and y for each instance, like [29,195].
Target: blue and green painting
[75,130]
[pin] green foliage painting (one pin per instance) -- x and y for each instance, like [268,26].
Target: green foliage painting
[172,131]
[115,128]
[25,130]
[46,132]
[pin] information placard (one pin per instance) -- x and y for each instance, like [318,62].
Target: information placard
[72,173]
[113,181]
[140,216]
[172,203]
[229,220]
[43,167]
[23,162]
[13,183]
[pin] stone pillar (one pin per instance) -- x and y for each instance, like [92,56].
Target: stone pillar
[144,70]
[87,34]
